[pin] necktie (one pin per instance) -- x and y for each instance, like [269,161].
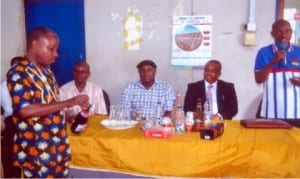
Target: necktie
[210,96]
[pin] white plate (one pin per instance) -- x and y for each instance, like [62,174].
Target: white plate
[118,125]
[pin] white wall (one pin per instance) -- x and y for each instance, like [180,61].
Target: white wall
[12,32]
[113,67]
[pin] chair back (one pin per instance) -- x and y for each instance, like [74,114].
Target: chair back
[107,101]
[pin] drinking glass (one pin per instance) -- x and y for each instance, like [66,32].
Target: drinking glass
[126,115]
[113,112]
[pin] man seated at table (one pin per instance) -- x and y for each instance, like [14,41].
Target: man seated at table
[81,85]
[145,93]
[224,99]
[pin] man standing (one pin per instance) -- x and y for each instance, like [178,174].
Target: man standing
[277,67]
[224,100]
[144,94]
[41,145]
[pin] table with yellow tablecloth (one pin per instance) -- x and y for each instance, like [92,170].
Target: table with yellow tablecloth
[239,152]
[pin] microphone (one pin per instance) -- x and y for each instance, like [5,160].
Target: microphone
[281,46]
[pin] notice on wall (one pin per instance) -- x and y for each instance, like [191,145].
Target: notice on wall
[191,40]
[133,25]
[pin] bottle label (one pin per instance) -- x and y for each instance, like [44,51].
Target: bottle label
[189,121]
[84,114]
[158,121]
[179,127]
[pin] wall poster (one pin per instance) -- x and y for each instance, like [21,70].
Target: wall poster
[191,40]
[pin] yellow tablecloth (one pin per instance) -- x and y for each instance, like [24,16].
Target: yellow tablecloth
[239,152]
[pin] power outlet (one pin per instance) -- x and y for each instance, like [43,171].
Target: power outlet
[249,38]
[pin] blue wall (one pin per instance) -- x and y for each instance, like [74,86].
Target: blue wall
[66,18]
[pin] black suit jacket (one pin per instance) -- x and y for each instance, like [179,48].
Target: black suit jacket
[226,98]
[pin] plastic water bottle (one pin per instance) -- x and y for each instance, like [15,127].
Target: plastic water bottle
[189,121]
[158,112]
[207,110]
[179,121]
[135,112]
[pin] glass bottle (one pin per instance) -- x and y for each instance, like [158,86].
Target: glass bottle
[178,99]
[80,121]
[198,116]
[176,104]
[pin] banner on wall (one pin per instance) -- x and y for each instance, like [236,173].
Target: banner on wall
[191,40]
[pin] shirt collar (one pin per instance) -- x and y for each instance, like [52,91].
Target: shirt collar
[207,84]
[142,86]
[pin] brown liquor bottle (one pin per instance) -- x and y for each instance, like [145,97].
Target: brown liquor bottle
[198,116]
[80,120]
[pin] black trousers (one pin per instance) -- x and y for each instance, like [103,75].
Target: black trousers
[7,142]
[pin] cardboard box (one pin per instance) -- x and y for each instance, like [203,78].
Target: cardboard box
[211,131]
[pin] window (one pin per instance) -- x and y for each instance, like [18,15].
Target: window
[290,10]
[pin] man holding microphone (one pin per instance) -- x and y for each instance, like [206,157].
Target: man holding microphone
[277,66]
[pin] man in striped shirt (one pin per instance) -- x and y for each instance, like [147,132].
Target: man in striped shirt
[277,67]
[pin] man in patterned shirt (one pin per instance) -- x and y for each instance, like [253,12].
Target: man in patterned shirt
[144,94]
[41,146]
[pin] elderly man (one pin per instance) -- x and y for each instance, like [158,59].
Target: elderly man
[81,85]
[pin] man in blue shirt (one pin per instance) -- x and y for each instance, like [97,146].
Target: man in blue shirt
[144,94]
[277,67]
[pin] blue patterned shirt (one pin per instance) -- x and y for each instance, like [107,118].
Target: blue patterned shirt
[136,96]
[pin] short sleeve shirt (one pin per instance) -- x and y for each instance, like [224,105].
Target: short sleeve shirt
[281,99]
[94,92]
[136,96]
[40,140]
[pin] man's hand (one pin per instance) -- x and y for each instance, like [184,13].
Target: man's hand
[81,100]
[279,56]
[295,81]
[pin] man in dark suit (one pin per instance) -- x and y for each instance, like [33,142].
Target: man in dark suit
[224,99]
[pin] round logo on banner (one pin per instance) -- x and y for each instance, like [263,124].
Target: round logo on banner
[188,38]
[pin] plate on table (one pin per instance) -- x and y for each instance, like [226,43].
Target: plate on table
[118,125]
